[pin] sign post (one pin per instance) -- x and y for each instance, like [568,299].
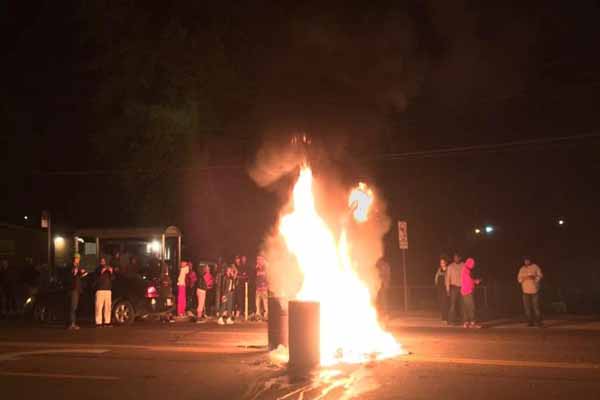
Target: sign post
[403,242]
[46,224]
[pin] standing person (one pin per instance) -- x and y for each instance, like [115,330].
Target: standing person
[218,275]
[133,267]
[75,288]
[191,280]
[228,283]
[262,289]
[440,283]
[103,307]
[466,290]
[184,268]
[240,292]
[115,262]
[385,277]
[529,277]
[202,287]
[453,281]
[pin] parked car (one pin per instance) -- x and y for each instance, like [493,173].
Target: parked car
[132,297]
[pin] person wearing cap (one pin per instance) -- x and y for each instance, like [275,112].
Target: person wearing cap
[529,277]
[74,290]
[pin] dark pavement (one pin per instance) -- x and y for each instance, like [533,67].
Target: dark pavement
[207,361]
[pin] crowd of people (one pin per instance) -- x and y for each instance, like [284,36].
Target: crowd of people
[224,291]
[456,284]
[204,290]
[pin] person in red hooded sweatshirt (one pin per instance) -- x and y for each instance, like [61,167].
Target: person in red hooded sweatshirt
[466,290]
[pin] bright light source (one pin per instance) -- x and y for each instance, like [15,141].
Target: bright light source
[26,218]
[153,247]
[29,300]
[477,231]
[489,229]
[80,240]
[59,241]
[561,221]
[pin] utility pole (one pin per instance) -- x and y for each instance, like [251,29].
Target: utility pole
[47,224]
[403,242]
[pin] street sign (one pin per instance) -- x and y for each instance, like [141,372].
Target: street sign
[403,235]
[45,219]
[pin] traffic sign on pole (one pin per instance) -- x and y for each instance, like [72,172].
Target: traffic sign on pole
[403,235]
[403,242]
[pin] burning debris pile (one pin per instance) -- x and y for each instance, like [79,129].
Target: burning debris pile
[350,331]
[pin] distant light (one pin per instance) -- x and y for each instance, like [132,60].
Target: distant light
[59,241]
[489,229]
[477,231]
[26,218]
[561,221]
[80,240]
[29,300]
[153,247]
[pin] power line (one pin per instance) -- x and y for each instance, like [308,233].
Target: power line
[507,146]
[405,156]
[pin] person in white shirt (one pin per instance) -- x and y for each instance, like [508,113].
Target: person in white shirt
[453,282]
[529,277]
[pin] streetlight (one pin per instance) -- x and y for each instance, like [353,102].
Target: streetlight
[477,231]
[489,229]
[561,222]
[26,218]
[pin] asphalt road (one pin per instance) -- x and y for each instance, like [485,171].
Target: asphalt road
[188,361]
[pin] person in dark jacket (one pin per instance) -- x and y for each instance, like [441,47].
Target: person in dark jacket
[204,279]
[104,294]
[74,286]
[228,285]
[440,284]
[240,292]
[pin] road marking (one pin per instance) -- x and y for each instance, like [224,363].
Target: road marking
[17,355]
[209,348]
[503,363]
[59,376]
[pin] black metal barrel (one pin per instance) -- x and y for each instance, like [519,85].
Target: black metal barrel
[278,322]
[304,336]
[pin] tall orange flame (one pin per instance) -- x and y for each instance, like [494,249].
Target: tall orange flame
[350,330]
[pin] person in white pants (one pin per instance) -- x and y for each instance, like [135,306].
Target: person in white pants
[103,307]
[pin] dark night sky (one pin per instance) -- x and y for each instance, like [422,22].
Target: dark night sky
[112,113]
